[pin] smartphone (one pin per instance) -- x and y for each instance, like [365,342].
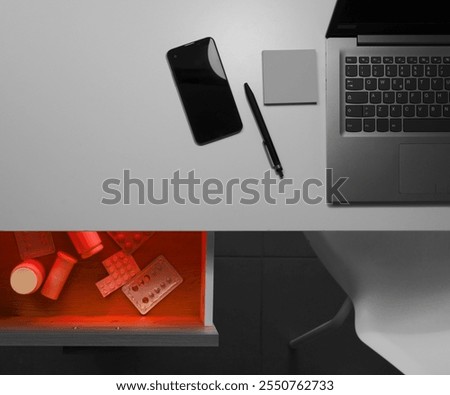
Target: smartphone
[204,91]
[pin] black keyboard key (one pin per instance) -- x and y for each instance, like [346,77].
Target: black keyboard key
[378,70]
[351,59]
[400,59]
[442,97]
[395,125]
[357,97]
[382,111]
[395,110]
[437,84]
[388,97]
[418,70]
[447,84]
[391,70]
[364,59]
[364,70]
[375,59]
[422,111]
[354,84]
[446,59]
[368,111]
[412,59]
[409,111]
[446,110]
[404,70]
[354,111]
[375,97]
[415,97]
[384,84]
[388,59]
[351,70]
[431,70]
[383,125]
[370,84]
[436,111]
[401,97]
[428,97]
[426,125]
[424,59]
[444,70]
[410,84]
[423,84]
[436,59]
[353,125]
[397,84]
[369,125]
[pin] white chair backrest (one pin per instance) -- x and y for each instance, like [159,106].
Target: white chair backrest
[399,283]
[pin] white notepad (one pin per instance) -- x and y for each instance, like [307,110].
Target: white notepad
[290,76]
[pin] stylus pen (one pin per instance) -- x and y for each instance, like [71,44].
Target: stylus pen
[267,141]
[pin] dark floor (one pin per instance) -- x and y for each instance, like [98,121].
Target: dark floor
[269,288]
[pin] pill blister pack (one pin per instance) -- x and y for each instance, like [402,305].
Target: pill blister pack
[152,284]
[121,268]
[34,244]
[130,241]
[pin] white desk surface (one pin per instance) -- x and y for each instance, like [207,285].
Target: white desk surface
[85,92]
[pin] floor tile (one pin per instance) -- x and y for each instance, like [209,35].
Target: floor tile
[234,244]
[287,244]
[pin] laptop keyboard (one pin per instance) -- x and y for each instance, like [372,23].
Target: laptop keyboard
[397,94]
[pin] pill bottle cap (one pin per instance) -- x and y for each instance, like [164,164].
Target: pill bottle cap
[27,277]
[67,257]
[93,251]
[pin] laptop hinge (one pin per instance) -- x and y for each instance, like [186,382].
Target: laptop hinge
[367,40]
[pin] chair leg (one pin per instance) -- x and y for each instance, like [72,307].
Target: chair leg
[334,323]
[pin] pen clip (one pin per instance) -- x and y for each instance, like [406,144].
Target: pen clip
[266,149]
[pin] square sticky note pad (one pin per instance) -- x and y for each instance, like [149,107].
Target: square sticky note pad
[290,76]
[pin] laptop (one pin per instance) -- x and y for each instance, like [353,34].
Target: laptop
[388,104]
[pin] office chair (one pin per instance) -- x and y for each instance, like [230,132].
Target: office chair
[399,285]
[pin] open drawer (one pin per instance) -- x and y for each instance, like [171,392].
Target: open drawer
[81,316]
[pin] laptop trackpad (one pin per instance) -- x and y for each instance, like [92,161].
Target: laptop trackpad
[424,168]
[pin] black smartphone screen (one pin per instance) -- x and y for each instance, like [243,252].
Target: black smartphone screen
[204,90]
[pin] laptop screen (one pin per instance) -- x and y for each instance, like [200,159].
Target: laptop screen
[353,17]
